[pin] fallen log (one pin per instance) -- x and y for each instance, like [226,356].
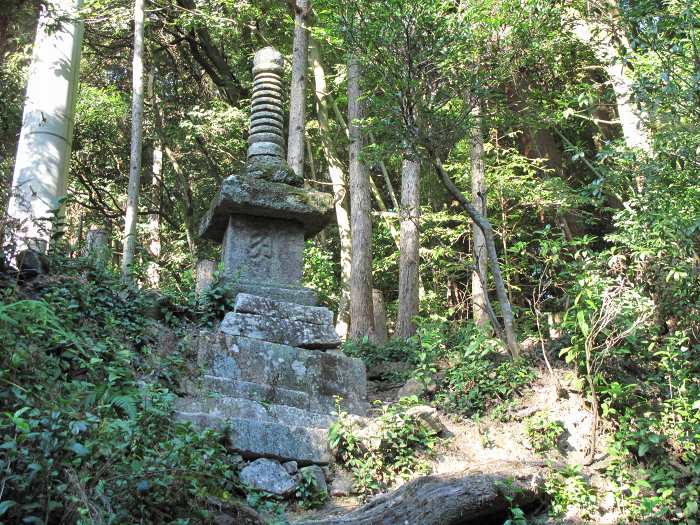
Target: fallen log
[454,499]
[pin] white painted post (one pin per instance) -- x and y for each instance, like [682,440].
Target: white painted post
[43,152]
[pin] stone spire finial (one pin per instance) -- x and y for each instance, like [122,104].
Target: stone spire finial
[266,137]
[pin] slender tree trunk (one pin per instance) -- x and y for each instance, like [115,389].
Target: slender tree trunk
[361,315]
[153,271]
[297,98]
[410,247]
[154,218]
[480,314]
[335,170]
[606,44]
[136,135]
[379,310]
[485,227]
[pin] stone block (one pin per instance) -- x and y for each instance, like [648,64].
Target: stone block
[263,393]
[278,330]
[292,294]
[236,407]
[319,374]
[263,249]
[254,439]
[253,304]
[245,195]
[269,476]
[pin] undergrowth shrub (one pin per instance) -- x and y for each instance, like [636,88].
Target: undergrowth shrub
[392,447]
[542,432]
[86,427]
[472,371]
[567,489]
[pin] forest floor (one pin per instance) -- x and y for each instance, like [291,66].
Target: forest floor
[472,445]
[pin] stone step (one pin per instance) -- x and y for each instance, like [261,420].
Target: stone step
[321,375]
[257,392]
[253,304]
[254,439]
[241,408]
[280,330]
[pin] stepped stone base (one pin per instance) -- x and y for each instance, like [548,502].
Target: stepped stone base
[275,398]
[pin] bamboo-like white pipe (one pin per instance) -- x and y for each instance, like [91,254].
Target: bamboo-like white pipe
[43,152]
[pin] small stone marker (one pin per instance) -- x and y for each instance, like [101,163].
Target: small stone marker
[206,268]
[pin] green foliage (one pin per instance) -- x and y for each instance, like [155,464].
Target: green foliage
[542,432]
[385,452]
[392,350]
[472,371]
[567,488]
[321,273]
[86,410]
[308,494]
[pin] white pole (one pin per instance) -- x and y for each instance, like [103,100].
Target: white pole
[43,152]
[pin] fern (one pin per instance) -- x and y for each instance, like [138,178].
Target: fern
[126,403]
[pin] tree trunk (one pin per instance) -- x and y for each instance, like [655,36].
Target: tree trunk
[206,270]
[479,298]
[44,147]
[485,227]
[297,97]
[153,271]
[361,316]
[606,44]
[97,245]
[154,219]
[410,247]
[455,499]
[379,310]
[136,135]
[335,170]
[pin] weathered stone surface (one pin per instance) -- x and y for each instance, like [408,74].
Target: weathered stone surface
[319,374]
[242,194]
[206,270]
[412,387]
[269,476]
[291,294]
[291,467]
[236,407]
[428,416]
[254,304]
[343,484]
[32,263]
[265,439]
[277,330]
[257,392]
[314,472]
[260,249]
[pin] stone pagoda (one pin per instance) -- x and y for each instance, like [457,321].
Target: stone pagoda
[272,369]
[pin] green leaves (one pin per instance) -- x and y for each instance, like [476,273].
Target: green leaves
[74,414]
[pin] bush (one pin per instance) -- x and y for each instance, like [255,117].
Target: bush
[86,426]
[476,373]
[380,455]
[542,432]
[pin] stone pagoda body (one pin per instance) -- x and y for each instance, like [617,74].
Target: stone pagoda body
[272,369]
